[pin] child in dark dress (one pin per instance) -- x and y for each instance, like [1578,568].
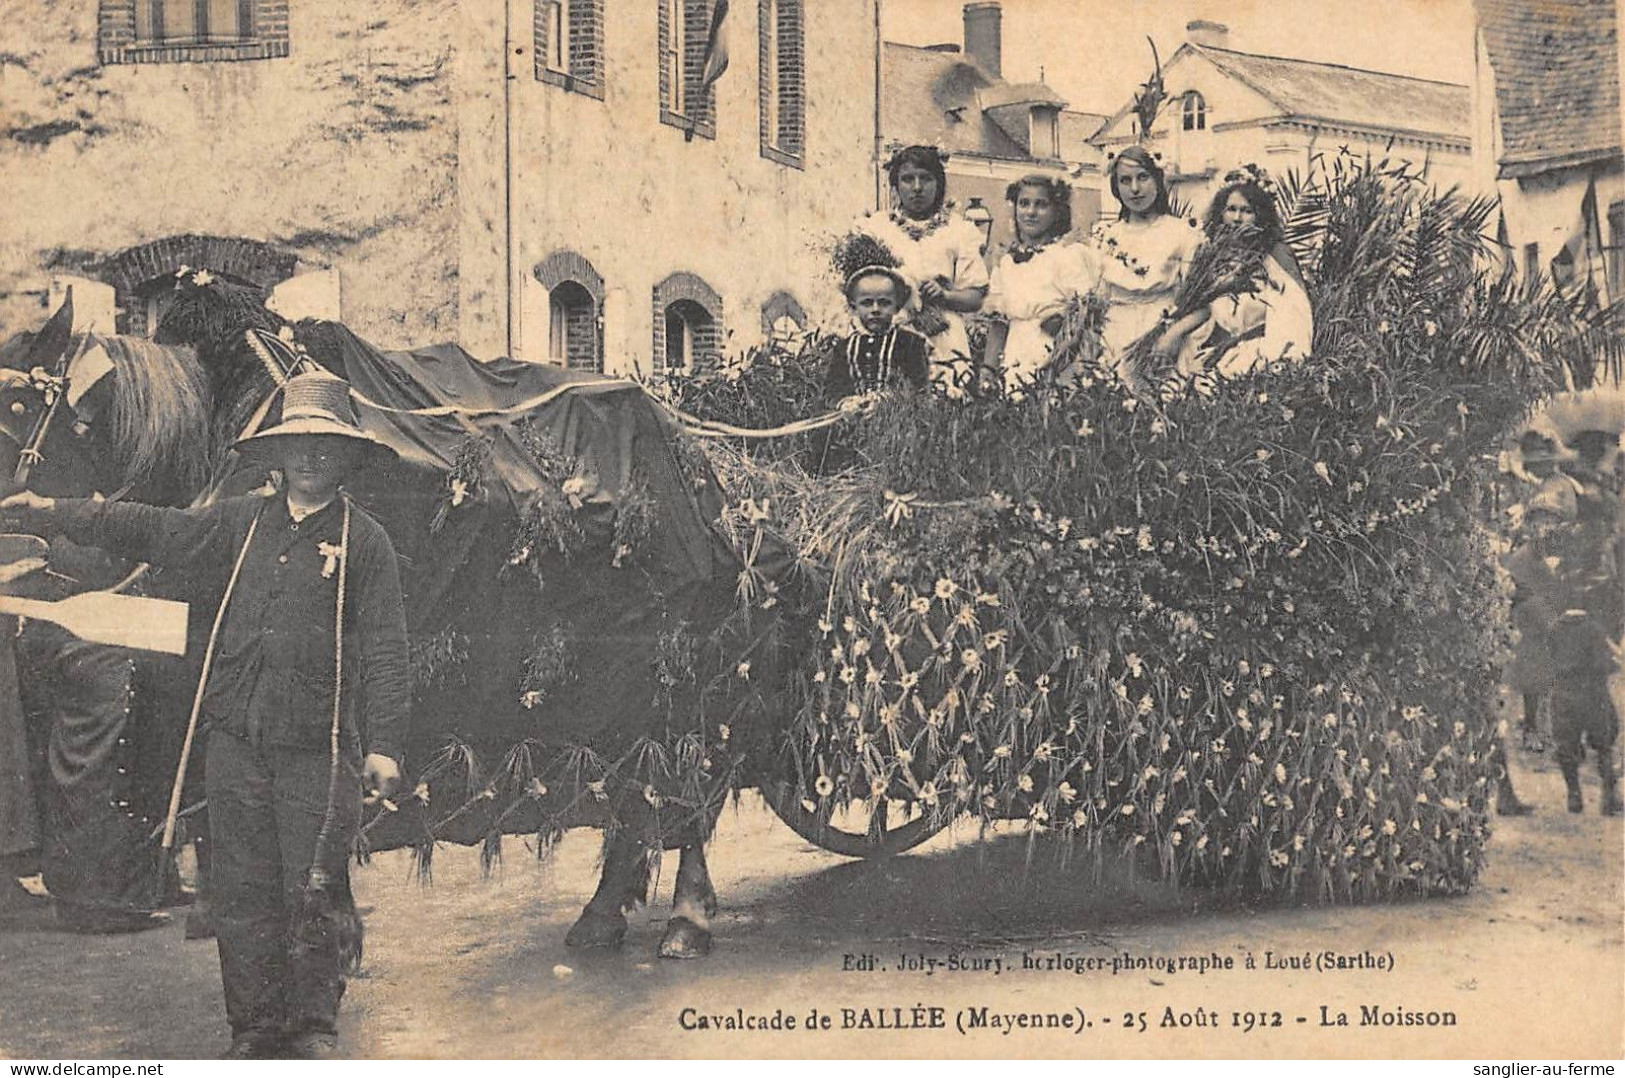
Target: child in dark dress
[881,355]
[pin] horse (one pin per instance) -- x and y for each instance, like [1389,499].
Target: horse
[481,519]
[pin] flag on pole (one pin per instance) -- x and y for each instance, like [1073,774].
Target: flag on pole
[716,47]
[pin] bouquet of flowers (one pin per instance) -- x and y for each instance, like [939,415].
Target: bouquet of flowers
[1230,263]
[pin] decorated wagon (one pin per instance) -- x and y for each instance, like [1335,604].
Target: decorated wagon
[1246,629]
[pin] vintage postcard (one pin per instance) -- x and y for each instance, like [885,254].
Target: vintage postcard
[1014,529]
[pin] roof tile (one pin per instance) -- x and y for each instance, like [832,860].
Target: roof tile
[1351,95]
[1556,65]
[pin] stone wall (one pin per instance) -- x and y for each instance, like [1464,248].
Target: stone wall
[602,176]
[341,154]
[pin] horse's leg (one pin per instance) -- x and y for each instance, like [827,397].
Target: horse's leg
[622,885]
[688,933]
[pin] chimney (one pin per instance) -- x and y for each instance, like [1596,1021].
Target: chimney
[1205,32]
[983,39]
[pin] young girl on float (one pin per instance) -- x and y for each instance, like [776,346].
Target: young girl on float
[939,255]
[1034,279]
[1272,320]
[1143,256]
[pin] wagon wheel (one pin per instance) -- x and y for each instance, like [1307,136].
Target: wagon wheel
[853,831]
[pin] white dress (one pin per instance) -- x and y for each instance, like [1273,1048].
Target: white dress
[952,252]
[1281,307]
[1142,264]
[1027,293]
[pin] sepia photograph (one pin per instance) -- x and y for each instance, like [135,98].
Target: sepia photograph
[812,529]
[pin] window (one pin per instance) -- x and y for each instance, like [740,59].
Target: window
[688,334]
[684,28]
[575,303]
[687,323]
[193,22]
[782,80]
[1564,274]
[574,322]
[144,277]
[1195,112]
[554,49]
[156,31]
[570,45]
[1531,260]
[1044,133]
[784,323]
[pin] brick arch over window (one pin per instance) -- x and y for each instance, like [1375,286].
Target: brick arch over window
[575,294]
[684,301]
[561,266]
[132,271]
[784,322]
[782,305]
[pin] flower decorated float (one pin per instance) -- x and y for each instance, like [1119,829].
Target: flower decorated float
[1248,629]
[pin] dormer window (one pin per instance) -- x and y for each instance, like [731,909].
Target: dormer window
[1044,133]
[1195,112]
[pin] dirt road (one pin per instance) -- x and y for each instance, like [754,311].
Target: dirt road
[1531,964]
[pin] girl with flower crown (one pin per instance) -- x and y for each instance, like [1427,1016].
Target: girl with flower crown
[939,254]
[1143,256]
[1269,321]
[1034,279]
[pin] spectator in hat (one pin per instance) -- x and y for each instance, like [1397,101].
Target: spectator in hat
[1568,595]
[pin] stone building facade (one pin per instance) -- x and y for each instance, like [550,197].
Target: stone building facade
[267,140]
[567,180]
[1548,138]
[658,218]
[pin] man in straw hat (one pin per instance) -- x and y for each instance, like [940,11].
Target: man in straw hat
[302,717]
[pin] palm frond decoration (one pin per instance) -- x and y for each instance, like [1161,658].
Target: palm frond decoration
[1153,92]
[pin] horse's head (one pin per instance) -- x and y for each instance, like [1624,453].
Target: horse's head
[131,417]
[27,393]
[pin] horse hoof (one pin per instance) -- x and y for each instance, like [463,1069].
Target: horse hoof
[596,930]
[685,939]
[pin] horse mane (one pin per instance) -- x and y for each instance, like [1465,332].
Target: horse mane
[160,414]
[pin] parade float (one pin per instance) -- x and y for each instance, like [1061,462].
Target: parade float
[1246,631]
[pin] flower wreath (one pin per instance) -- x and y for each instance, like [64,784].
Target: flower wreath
[894,150]
[1251,173]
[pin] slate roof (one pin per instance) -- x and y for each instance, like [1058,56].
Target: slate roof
[1355,96]
[1335,95]
[1556,65]
[941,97]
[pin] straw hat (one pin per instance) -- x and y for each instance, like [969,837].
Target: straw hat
[315,403]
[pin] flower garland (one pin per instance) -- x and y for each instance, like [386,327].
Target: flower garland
[1020,251]
[918,230]
[1107,244]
